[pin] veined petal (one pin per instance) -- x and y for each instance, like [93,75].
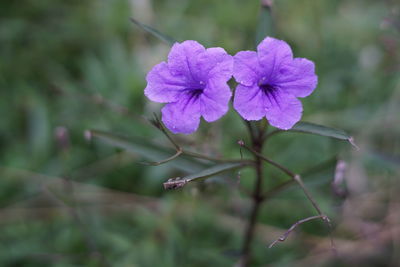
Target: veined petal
[182,59]
[283,109]
[272,53]
[162,86]
[246,68]
[214,101]
[298,77]
[215,63]
[182,116]
[249,102]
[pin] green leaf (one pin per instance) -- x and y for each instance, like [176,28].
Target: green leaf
[265,25]
[212,171]
[165,38]
[149,151]
[307,127]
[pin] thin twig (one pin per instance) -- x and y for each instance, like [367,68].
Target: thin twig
[156,122]
[297,179]
[277,189]
[159,125]
[156,163]
[283,237]
[258,154]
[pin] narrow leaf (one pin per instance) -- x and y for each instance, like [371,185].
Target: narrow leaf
[265,25]
[307,127]
[212,171]
[165,38]
[148,150]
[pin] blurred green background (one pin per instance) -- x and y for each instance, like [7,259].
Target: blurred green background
[69,66]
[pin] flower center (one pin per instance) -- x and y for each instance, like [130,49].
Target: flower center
[266,87]
[196,92]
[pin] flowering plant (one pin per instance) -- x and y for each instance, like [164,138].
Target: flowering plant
[193,84]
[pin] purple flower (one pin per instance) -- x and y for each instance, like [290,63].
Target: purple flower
[193,84]
[270,81]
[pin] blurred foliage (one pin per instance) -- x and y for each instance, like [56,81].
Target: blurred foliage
[69,66]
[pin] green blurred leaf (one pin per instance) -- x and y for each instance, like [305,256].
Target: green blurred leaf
[307,127]
[265,25]
[169,40]
[149,151]
[212,171]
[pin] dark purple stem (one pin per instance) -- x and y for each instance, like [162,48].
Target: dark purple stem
[257,199]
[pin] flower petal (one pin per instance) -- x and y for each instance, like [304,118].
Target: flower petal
[182,59]
[249,102]
[215,100]
[163,87]
[246,68]
[283,110]
[215,63]
[272,53]
[297,77]
[182,116]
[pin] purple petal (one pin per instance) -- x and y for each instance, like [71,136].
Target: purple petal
[272,53]
[182,59]
[215,63]
[246,68]
[182,116]
[298,77]
[215,100]
[249,102]
[283,110]
[162,86]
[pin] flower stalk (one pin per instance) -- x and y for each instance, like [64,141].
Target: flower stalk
[257,195]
